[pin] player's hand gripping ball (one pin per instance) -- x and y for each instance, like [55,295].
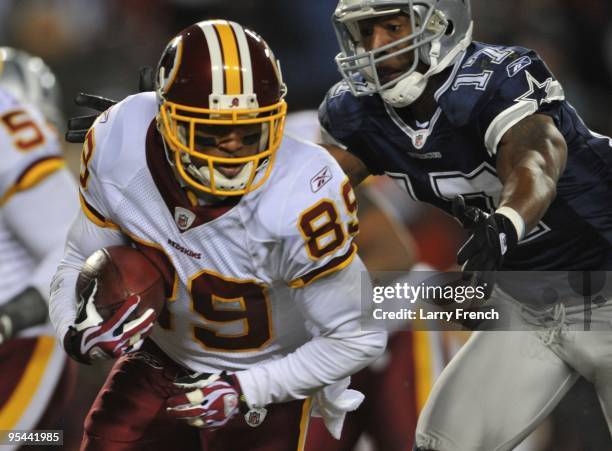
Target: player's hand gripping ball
[120,293]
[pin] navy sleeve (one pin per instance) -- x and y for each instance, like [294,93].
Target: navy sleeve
[345,119]
[524,87]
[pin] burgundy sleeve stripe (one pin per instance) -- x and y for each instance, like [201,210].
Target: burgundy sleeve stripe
[335,264]
[94,215]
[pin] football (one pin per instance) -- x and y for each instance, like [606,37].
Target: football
[121,271]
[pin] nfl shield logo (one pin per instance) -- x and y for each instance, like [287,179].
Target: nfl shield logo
[183,218]
[419,140]
[255,417]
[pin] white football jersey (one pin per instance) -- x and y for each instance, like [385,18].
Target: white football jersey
[36,208]
[29,151]
[237,265]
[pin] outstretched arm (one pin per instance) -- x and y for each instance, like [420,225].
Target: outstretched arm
[531,158]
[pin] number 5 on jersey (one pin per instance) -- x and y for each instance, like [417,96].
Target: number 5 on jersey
[27,134]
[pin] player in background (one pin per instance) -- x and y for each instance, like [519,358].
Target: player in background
[37,206]
[397,384]
[460,122]
[263,312]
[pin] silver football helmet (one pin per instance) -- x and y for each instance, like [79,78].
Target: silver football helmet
[31,81]
[441,30]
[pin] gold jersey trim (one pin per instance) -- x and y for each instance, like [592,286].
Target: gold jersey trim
[33,175]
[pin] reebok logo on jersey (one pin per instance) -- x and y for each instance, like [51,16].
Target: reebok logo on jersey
[320,179]
[518,66]
[184,250]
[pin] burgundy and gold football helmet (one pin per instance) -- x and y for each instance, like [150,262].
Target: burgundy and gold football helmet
[216,75]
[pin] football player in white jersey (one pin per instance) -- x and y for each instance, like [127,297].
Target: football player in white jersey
[37,206]
[255,235]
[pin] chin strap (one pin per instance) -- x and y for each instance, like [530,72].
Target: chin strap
[222,182]
[406,91]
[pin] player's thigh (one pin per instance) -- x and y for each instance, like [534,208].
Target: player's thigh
[396,387]
[54,416]
[129,412]
[591,354]
[284,428]
[493,393]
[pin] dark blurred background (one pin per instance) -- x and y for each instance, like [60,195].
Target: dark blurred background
[97,45]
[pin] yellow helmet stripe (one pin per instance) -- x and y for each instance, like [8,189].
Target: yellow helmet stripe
[245,58]
[231,58]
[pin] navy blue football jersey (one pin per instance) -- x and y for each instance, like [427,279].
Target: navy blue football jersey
[488,90]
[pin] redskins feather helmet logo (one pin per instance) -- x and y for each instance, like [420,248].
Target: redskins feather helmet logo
[169,65]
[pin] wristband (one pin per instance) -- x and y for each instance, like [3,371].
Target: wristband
[515,218]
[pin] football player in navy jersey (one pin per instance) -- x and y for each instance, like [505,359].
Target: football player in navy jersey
[483,132]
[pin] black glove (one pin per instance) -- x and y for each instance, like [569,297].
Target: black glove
[26,309]
[492,237]
[78,126]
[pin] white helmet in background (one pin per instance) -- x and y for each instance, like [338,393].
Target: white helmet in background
[441,30]
[31,81]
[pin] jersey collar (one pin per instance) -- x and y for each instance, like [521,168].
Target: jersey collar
[182,204]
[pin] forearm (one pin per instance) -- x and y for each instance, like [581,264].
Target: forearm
[84,238]
[63,302]
[529,190]
[532,157]
[341,348]
[320,362]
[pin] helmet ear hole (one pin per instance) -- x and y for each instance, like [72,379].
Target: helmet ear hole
[450,29]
